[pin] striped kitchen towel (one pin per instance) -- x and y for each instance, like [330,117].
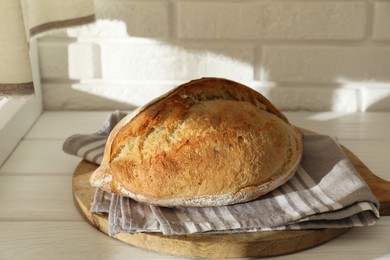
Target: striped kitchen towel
[326,192]
[90,147]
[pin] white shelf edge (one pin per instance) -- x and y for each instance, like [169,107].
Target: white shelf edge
[18,115]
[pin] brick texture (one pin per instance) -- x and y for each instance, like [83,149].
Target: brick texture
[303,55]
[382,21]
[53,60]
[326,64]
[100,96]
[142,18]
[161,61]
[84,61]
[314,99]
[272,20]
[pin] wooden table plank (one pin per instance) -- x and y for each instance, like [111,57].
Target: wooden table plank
[37,198]
[60,125]
[347,126]
[38,219]
[374,153]
[63,240]
[39,157]
[78,240]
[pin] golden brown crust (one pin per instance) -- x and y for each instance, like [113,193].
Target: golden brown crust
[209,142]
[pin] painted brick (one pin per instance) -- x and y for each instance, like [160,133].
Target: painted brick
[382,21]
[66,97]
[102,96]
[272,20]
[165,61]
[131,94]
[53,59]
[119,69]
[84,61]
[142,19]
[313,99]
[107,29]
[326,64]
[375,97]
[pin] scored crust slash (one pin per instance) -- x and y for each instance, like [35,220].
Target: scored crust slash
[209,142]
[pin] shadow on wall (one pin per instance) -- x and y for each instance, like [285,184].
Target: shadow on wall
[113,67]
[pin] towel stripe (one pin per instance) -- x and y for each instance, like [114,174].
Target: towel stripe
[285,204]
[303,208]
[298,204]
[307,196]
[327,203]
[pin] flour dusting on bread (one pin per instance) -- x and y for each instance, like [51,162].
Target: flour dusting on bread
[209,142]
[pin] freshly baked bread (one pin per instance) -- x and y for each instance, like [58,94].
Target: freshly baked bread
[209,142]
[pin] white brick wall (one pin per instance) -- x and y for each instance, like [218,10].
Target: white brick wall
[308,54]
[326,63]
[382,21]
[272,20]
[168,61]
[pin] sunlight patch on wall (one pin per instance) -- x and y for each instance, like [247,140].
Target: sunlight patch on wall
[371,95]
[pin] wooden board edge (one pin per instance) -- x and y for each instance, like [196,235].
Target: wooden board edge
[256,244]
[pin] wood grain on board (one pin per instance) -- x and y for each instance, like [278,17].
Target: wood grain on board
[260,244]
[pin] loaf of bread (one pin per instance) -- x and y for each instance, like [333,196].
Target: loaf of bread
[209,142]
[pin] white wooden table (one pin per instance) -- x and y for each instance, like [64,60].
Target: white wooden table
[38,218]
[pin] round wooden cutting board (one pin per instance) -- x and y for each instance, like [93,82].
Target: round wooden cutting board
[258,244]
